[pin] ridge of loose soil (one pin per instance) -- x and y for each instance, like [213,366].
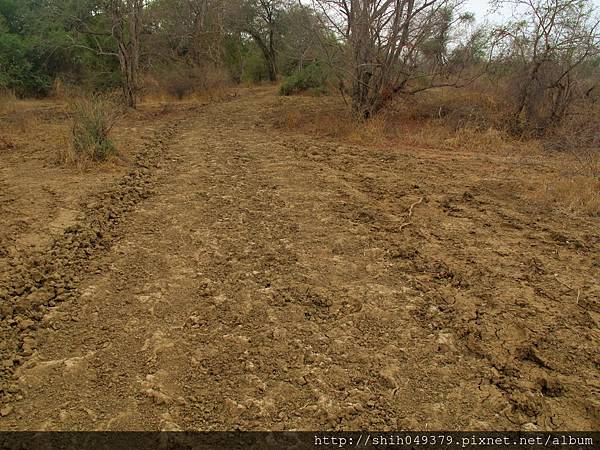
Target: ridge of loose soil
[36,282]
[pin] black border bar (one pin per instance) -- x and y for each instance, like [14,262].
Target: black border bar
[297,440]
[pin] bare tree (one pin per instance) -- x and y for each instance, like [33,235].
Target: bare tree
[193,28]
[302,36]
[123,27]
[261,20]
[546,45]
[384,41]
[126,17]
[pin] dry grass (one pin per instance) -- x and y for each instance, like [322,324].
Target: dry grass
[8,102]
[31,126]
[23,122]
[65,155]
[167,100]
[42,130]
[65,92]
[186,85]
[578,195]
[487,140]
[93,119]
[16,122]
[419,126]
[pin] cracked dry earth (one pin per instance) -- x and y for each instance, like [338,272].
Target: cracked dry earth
[270,282]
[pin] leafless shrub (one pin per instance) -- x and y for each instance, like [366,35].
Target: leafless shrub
[545,48]
[398,46]
[178,84]
[579,135]
[186,81]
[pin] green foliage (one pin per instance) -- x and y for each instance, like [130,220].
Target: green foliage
[234,52]
[255,68]
[244,61]
[312,78]
[92,121]
[10,16]
[20,68]
[45,40]
[38,43]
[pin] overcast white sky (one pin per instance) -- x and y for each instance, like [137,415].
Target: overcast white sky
[481,8]
[483,12]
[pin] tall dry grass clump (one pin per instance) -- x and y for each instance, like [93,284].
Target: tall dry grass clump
[577,137]
[93,118]
[574,194]
[8,102]
[442,119]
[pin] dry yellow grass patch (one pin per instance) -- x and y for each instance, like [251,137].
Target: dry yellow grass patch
[576,191]
[395,127]
[201,96]
[579,194]
[490,140]
[8,102]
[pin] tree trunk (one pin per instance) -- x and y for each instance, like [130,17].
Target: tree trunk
[361,103]
[128,78]
[268,53]
[271,60]
[272,69]
[129,48]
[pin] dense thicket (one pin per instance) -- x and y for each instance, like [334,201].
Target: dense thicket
[545,59]
[101,43]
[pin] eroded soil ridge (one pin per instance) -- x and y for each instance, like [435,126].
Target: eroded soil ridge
[35,282]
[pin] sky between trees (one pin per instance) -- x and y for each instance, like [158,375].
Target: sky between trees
[484,12]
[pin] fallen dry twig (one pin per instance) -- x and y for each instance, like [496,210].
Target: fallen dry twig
[569,287]
[410,213]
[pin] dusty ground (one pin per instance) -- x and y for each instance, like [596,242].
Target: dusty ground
[238,277]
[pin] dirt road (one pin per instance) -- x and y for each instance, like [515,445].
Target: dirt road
[279,281]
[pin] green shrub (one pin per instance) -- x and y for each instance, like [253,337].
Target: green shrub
[92,121]
[21,68]
[255,69]
[310,78]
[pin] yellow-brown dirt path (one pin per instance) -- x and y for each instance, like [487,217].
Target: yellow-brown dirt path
[272,282]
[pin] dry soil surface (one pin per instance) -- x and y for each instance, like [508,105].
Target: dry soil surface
[239,277]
